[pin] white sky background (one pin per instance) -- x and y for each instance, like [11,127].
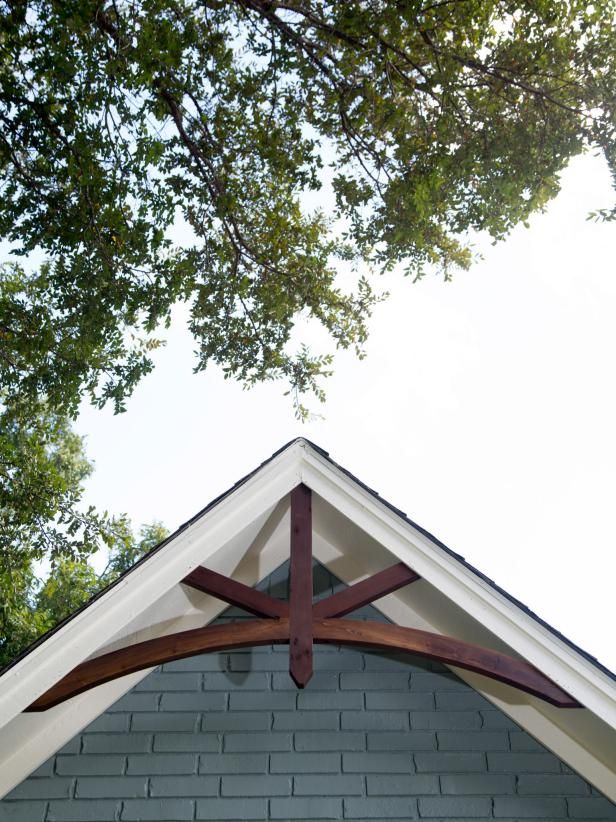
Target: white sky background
[486,409]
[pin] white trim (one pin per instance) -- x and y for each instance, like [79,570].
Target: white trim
[531,640]
[578,737]
[594,765]
[29,739]
[105,617]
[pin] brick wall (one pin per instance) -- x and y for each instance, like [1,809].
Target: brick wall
[373,737]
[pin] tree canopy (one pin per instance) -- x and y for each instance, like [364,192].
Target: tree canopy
[47,534]
[163,151]
[120,119]
[31,605]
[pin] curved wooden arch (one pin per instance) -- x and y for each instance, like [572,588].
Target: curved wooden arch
[215,638]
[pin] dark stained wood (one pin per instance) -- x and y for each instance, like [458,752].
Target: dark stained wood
[300,588]
[150,653]
[154,652]
[492,664]
[236,593]
[360,594]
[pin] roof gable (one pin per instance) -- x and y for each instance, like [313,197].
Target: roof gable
[244,534]
[359,699]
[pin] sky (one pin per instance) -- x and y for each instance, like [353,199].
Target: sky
[485,409]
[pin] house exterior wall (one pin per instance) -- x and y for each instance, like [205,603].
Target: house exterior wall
[373,737]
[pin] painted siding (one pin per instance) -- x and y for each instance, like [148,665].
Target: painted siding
[372,737]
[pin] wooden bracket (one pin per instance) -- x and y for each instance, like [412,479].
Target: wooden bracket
[299,623]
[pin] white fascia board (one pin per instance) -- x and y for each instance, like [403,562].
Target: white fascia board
[29,739]
[104,618]
[578,737]
[530,639]
[591,754]
[182,607]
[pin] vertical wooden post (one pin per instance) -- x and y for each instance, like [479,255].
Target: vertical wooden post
[300,593]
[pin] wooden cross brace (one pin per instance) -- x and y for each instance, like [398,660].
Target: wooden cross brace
[300,611]
[299,623]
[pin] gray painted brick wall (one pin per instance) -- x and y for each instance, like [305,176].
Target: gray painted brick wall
[373,737]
